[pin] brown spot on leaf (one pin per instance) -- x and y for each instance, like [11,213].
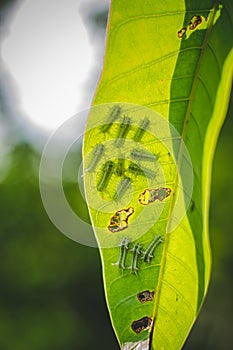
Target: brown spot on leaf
[194,22]
[119,221]
[150,195]
[145,296]
[181,32]
[141,325]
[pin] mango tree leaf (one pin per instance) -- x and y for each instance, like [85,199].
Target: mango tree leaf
[148,150]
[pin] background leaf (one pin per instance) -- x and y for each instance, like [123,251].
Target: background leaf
[188,81]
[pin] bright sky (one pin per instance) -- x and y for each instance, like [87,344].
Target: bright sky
[48,54]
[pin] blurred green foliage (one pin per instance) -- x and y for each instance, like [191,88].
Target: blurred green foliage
[49,298]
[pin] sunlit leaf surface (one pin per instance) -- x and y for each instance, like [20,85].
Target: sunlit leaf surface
[148,150]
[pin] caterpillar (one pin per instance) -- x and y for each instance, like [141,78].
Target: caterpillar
[108,170]
[147,255]
[138,170]
[144,156]
[120,169]
[136,251]
[123,131]
[122,188]
[114,114]
[141,130]
[124,246]
[98,152]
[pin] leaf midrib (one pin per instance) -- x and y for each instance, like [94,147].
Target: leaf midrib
[184,133]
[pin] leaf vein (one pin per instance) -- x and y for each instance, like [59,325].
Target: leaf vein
[189,306]
[151,16]
[181,263]
[207,91]
[146,66]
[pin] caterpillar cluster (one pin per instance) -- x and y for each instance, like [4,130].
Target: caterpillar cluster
[120,172]
[120,167]
[136,253]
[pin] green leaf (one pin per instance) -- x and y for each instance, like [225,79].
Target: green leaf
[167,71]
